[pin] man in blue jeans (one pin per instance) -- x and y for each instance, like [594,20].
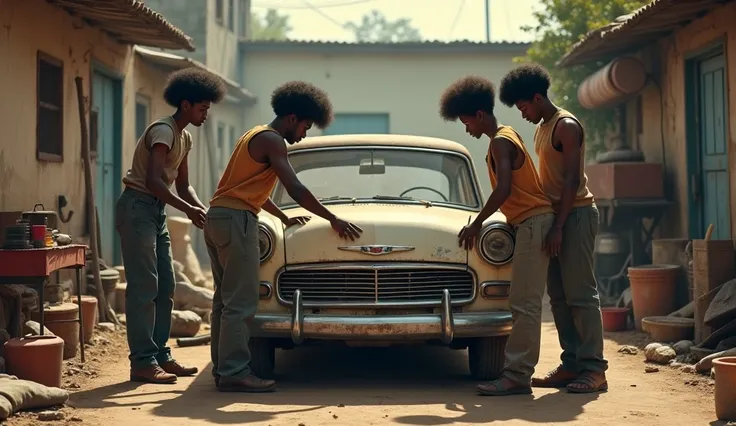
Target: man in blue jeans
[159,161]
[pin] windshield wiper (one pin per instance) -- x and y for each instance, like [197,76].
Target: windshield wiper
[337,197]
[394,197]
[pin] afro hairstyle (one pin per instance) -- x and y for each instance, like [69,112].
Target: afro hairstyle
[305,100]
[193,85]
[467,96]
[522,83]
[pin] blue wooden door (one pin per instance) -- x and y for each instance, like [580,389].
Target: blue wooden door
[358,124]
[104,108]
[714,147]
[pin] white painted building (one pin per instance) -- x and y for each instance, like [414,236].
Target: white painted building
[383,88]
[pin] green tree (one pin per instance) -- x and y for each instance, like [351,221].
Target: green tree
[273,26]
[374,27]
[561,24]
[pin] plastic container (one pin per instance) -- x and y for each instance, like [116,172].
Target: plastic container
[35,358]
[653,290]
[614,319]
[90,316]
[725,392]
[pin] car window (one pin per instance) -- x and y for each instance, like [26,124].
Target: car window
[361,173]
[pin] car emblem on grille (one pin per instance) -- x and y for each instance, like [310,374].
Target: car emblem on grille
[376,250]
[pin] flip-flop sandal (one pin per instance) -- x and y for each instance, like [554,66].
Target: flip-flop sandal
[553,380]
[501,391]
[590,384]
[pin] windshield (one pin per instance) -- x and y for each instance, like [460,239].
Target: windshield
[340,175]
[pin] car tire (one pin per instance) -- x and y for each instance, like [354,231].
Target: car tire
[262,357]
[486,357]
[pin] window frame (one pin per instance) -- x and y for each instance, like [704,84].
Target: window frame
[40,154]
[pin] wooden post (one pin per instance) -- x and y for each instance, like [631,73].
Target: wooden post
[101,301]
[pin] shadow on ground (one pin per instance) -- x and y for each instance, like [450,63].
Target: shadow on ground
[337,378]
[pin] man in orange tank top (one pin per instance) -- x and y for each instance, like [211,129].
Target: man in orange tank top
[160,161]
[231,230]
[571,283]
[518,194]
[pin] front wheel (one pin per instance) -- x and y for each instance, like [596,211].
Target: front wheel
[486,357]
[262,357]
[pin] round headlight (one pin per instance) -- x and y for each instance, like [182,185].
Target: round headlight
[497,245]
[265,242]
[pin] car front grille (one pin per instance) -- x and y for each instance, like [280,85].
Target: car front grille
[376,285]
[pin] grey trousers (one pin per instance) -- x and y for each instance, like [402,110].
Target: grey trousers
[573,293]
[528,277]
[232,243]
[140,220]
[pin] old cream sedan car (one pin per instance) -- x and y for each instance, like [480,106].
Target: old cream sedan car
[406,280]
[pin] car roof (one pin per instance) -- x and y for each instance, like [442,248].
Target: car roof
[411,141]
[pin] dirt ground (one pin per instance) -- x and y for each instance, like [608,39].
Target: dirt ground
[409,386]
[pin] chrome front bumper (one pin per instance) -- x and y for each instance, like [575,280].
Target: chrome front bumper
[445,325]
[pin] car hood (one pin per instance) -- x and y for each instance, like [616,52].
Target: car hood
[391,233]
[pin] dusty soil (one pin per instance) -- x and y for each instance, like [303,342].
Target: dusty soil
[411,386]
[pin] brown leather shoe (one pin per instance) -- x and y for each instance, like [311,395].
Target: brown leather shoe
[152,374]
[557,378]
[173,367]
[251,383]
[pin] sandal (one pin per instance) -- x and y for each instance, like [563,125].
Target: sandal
[557,378]
[589,382]
[496,388]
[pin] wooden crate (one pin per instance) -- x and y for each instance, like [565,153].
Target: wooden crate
[609,181]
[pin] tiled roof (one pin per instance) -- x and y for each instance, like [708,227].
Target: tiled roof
[129,21]
[647,24]
[421,46]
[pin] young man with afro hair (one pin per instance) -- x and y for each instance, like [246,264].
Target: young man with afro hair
[160,161]
[560,145]
[231,231]
[518,193]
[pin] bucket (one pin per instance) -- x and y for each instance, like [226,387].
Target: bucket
[68,331]
[614,319]
[725,392]
[35,358]
[90,316]
[653,290]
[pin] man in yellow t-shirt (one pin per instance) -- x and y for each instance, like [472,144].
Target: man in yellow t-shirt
[559,142]
[160,160]
[231,230]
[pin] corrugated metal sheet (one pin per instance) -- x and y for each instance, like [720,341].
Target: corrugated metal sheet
[658,19]
[173,62]
[129,21]
[428,46]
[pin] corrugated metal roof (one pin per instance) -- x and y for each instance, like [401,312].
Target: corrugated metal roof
[129,21]
[649,23]
[173,62]
[428,46]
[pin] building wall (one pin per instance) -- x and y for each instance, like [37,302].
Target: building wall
[668,142]
[25,181]
[191,17]
[406,87]
[222,41]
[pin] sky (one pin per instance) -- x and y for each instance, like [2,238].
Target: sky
[443,20]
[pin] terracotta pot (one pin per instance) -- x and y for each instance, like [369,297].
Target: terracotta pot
[35,358]
[653,290]
[614,319]
[725,392]
[90,316]
[68,331]
[669,329]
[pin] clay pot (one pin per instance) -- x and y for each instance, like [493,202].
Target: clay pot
[90,316]
[35,358]
[669,329]
[68,331]
[653,290]
[614,319]
[120,297]
[725,392]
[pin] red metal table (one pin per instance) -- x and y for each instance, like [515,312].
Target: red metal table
[33,267]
